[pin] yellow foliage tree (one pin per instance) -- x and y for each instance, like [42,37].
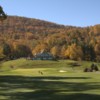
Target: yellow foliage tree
[39,48]
[63,49]
[55,51]
[74,52]
[1,53]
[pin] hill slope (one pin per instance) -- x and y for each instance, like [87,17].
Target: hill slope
[40,35]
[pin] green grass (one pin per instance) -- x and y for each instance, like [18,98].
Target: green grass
[24,82]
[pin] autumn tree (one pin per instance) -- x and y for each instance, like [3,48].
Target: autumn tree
[21,51]
[97,51]
[62,53]
[2,56]
[89,53]
[39,48]
[55,51]
[74,52]
[96,29]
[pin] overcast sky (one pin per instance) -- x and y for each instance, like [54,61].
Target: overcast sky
[66,12]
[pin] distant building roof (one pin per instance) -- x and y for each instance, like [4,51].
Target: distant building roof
[43,55]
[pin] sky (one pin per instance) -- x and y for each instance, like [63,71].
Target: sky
[67,12]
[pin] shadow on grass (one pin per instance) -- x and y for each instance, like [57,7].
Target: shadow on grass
[46,88]
[49,95]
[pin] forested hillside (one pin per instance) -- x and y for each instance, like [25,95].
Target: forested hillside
[23,37]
